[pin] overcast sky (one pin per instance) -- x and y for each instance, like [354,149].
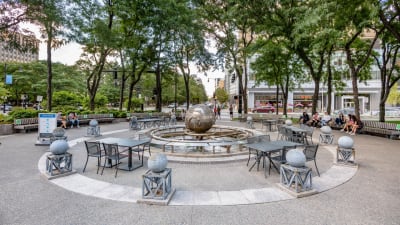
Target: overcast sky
[70,53]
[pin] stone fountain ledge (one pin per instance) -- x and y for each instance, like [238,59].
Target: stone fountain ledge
[78,183]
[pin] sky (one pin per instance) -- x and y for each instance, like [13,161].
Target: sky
[70,53]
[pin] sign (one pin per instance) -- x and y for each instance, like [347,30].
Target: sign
[8,79]
[39,98]
[47,122]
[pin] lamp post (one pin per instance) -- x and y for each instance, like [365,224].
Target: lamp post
[175,93]
[24,97]
[5,82]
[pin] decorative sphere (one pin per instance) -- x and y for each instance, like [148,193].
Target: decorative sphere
[288,122]
[59,147]
[58,132]
[93,123]
[157,162]
[326,129]
[199,118]
[296,158]
[345,142]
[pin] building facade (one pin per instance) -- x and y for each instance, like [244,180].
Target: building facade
[300,98]
[12,54]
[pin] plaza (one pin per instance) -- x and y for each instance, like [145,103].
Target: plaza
[369,195]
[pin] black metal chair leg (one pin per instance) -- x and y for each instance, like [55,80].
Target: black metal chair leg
[87,159]
[315,162]
[98,164]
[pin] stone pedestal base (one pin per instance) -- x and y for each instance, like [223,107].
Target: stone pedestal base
[297,179]
[346,156]
[156,185]
[326,138]
[93,131]
[58,164]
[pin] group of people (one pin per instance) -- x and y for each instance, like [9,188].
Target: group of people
[65,121]
[350,124]
[316,120]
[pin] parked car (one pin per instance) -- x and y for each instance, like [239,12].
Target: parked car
[172,105]
[345,111]
[264,109]
[8,107]
[389,111]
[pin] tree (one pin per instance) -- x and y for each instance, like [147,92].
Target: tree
[221,95]
[188,43]
[91,25]
[389,15]
[386,60]
[13,13]
[291,22]
[358,51]
[49,15]
[233,28]
[277,65]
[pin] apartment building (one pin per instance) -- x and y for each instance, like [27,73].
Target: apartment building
[9,53]
[301,96]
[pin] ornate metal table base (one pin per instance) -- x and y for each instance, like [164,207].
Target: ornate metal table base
[326,138]
[156,185]
[345,156]
[296,179]
[58,164]
[93,131]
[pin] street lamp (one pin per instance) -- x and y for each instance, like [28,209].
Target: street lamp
[24,97]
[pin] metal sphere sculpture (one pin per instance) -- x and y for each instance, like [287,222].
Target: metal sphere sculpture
[199,118]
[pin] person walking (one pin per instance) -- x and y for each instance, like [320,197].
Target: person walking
[219,111]
[231,111]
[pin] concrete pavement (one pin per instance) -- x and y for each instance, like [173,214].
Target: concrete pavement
[370,197]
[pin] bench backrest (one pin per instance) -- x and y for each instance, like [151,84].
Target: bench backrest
[95,116]
[381,125]
[25,121]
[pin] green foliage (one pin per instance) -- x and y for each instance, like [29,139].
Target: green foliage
[24,113]
[394,96]
[99,101]
[65,98]
[6,119]
[221,95]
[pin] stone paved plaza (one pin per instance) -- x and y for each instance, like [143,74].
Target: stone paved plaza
[206,193]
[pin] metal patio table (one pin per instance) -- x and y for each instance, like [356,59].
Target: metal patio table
[130,143]
[266,148]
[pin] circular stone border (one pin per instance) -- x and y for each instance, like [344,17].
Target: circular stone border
[333,177]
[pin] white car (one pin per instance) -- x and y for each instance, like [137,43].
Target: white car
[172,105]
[8,107]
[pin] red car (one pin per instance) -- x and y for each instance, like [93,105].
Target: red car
[264,109]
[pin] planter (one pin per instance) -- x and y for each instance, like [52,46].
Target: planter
[157,162]
[6,129]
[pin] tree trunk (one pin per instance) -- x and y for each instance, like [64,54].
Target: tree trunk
[329,83]
[245,84]
[158,88]
[277,100]
[49,72]
[354,81]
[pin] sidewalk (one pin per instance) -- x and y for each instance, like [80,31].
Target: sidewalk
[370,197]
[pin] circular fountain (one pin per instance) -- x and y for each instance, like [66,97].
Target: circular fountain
[200,135]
